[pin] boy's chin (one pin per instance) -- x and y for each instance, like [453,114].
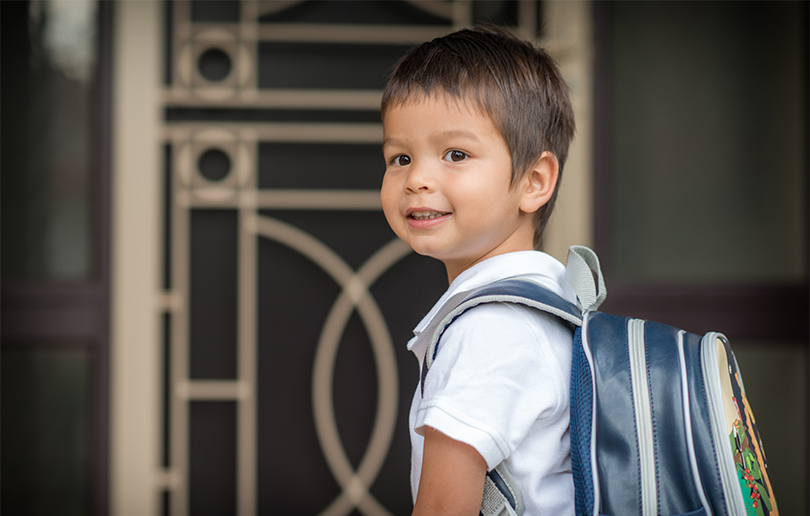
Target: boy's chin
[432,249]
[448,262]
[424,250]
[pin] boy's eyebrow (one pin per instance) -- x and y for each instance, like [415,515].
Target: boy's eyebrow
[453,133]
[457,133]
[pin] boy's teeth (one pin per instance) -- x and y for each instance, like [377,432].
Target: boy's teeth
[425,215]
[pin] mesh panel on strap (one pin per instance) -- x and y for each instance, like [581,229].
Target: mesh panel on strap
[581,415]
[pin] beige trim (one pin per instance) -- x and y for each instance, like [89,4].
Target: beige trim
[362,100]
[569,40]
[207,390]
[431,6]
[178,407]
[320,199]
[265,8]
[247,445]
[442,9]
[462,14]
[368,34]
[286,132]
[135,314]
[281,199]
[527,14]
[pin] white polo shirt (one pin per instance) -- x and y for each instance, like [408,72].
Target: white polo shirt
[500,383]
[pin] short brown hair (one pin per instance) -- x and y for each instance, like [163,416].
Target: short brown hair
[515,83]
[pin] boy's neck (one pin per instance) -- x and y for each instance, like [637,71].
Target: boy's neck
[455,269]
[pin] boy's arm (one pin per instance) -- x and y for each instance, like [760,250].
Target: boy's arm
[452,479]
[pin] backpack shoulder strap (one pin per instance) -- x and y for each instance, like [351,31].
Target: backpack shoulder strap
[513,290]
[502,496]
[583,273]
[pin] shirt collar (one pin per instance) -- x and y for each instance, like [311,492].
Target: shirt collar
[535,266]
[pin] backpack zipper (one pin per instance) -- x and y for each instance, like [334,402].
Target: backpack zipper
[687,418]
[641,403]
[710,368]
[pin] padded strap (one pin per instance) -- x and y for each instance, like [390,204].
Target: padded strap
[585,276]
[502,496]
[517,291]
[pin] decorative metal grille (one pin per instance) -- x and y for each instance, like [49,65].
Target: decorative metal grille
[288,301]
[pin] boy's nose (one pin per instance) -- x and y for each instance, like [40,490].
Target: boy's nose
[420,178]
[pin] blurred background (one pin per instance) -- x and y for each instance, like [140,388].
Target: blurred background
[203,309]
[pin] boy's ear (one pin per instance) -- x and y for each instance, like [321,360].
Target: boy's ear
[539,183]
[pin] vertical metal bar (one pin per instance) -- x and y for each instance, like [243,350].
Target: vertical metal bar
[247,448]
[182,37]
[180,344]
[249,36]
[179,487]
[462,14]
[247,303]
[135,287]
[527,19]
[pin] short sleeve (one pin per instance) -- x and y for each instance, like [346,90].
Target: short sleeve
[499,370]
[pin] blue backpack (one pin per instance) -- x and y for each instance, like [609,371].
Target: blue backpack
[659,419]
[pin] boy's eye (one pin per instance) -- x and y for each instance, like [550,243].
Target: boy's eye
[401,160]
[455,155]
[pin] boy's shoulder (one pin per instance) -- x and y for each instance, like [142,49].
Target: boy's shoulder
[535,267]
[490,319]
[503,332]
[498,323]
[491,345]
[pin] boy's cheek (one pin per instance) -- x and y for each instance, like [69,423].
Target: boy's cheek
[394,221]
[388,197]
[390,207]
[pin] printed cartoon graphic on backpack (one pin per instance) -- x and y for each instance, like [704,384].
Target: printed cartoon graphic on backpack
[746,446]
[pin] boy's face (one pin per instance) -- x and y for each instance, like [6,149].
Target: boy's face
[446,190]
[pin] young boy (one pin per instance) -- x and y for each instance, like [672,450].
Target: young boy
[477,126]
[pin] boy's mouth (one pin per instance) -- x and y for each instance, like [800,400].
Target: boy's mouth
[425,215]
